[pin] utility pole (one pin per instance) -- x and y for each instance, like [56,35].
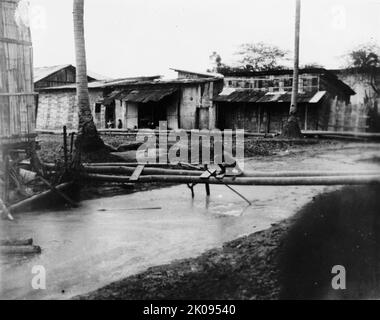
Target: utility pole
[291,128]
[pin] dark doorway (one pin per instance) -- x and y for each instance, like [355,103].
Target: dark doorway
[110,116]
[150,114]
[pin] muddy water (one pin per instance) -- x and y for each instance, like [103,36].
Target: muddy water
[107,239]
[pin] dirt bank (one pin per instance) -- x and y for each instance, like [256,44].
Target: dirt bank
[52,145]
[290,260]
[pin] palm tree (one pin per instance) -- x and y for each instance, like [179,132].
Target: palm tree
[88,138]
[291,128]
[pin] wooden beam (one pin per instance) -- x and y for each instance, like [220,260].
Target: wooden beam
[161,171]
[14,41]
[60,193]
[258,181]
[20,249]
[26,203]
[16,242]
[12,94]
[136,173]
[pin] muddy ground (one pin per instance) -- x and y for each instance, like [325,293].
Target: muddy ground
[291,260]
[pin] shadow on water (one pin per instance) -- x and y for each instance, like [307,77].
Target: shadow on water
[337,228]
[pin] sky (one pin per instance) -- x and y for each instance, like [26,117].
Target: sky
[147,37]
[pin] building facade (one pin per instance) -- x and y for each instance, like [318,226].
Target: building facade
[365,103]
[134,103]
[260,101]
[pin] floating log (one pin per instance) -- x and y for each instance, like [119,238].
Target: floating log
[260,181]
[16,242]
[57,191]
[134,164]
[20,250]
[145,171]
[27,203]
[183,172]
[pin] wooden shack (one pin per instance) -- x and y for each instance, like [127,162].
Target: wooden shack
[17,96]
[259,101]
[137,102]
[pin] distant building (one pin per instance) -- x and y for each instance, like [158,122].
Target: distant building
[260,101]
[254,101]
[138,102]
[53,76]
[186,74]
[364,103]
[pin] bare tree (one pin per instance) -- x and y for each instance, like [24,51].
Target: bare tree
[88,137]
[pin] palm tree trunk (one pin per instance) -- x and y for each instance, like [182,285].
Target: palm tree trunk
[88,138]
[291,128]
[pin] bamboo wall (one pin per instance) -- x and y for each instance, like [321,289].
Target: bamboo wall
[17,97]
[348,117]
[58,108]
[357,114]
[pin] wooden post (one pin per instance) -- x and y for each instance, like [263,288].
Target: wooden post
[65,146]
[306,116]
[6,178]
[258,118]
[71,144]
[207,189]
[207,186]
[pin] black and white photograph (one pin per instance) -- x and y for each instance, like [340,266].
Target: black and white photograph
[188,156]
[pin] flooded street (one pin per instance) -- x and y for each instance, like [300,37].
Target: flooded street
[108,239]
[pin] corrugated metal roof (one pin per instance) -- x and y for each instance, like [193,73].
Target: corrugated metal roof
[138,95]
[251,95]
[200,73]
[318,96]
[240,95]
[146,95]
[43,72]
[111,97]
[136,81]
[302,97]
[40,73]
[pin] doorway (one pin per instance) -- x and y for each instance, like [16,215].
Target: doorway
[150,114]
[110,115]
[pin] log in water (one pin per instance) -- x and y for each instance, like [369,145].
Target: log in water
[16,242]
[259,181]
[20,249]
